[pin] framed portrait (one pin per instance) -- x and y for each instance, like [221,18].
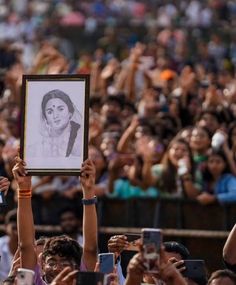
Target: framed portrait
[54,133]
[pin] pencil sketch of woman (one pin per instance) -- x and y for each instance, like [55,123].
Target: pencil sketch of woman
[60,127]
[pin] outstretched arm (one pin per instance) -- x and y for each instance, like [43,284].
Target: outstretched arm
[90,231]
[229,250]
[25,223]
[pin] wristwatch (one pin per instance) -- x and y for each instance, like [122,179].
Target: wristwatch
[90,201]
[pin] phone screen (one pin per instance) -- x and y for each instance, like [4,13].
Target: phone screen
[91,278]
[152,240]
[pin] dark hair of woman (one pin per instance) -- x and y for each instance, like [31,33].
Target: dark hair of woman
[168,180]
[57,94]
[207,176]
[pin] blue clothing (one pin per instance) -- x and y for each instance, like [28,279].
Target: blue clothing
[225,189]
[124,190]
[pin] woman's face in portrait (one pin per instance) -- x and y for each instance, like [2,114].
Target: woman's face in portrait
[57,114]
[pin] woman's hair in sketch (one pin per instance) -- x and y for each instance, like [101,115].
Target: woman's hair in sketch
[57,94]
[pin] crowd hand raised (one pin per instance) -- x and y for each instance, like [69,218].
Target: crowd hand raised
[168,271]
[65,277]
[20,174]
[134,123]
[111,67]
[117,244]
[87,176]
[187,78]
[120,160]
[179,264]
[112,278]
[136,269]
[214,97]
[4,185]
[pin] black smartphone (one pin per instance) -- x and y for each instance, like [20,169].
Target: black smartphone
[106,262]
[89,277]
[195,269]
[151,241]
[134,241]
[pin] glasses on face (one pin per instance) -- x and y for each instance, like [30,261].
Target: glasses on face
[54,264]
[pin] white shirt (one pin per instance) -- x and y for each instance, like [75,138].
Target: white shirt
[6,257]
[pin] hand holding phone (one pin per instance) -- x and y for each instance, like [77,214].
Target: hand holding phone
[195,269]
[151,241]
[117,244]
[24,276]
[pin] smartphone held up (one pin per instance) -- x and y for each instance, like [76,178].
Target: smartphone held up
[151,240]
[24,276]
[106,262]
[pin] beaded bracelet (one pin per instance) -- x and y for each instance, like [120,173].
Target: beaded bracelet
[24,193]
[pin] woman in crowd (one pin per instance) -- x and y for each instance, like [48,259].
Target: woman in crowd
[126,179]
[219,184]
[200,141]
[174,175]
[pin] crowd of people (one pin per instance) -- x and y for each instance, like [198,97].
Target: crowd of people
[63,260]
[162,113]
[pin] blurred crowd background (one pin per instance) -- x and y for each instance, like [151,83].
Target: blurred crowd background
[162,94]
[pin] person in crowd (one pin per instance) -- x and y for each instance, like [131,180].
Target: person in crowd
[200,142]
[175,252]
[210,120]
[222,277]
[219,182]
[61,250]
[175,70]
[167,272]
[132,184]
[8,244]
[229,251]
[71,223]
[174,176]
[100,163]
